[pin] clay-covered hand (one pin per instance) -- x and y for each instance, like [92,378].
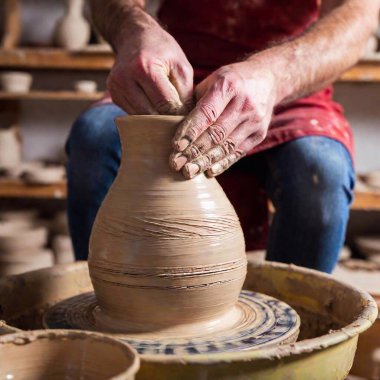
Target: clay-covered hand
[151,74]
[233,111]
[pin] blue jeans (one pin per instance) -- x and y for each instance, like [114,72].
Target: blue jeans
[309,180]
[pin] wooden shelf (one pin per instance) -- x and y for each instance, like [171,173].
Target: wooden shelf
[51,58]
[369,201]
[51,95]
[97,59]
[364,71]
[17,189]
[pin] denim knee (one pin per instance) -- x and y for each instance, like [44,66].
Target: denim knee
[318,179]
[94,132]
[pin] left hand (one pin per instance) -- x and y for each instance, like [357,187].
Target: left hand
[232,115]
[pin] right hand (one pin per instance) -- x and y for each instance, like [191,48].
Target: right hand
[151,74]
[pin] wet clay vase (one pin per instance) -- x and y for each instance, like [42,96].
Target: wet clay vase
[62,355]
[166,254]
[73,30]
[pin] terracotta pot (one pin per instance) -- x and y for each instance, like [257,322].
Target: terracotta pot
[164,251]
[65,354]
[10,148]
[16,82]
[73,31]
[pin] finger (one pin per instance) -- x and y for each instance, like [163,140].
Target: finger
[205,161]
[182,77]
[206,112]
[217,153]
[246,145]
[213,136]
[132,98]
[162,93]
[122,102]
[225,163]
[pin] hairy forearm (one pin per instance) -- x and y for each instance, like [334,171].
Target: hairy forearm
[324,52]
[115,18]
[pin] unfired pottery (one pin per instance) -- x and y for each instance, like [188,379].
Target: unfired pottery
[165,253]
[73,30]
[63,249]
[27,215]
[63,355]
[43,175]
[368,245]
[86,86]
[15,81]
[10,148]
[25,261]
[22,239]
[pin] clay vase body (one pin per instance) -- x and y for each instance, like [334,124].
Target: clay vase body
[73,31]
[165,253]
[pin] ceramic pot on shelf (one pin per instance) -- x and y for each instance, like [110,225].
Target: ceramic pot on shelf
[165,253]
[10,148]
[73,30]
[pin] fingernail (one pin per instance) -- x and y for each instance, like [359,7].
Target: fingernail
[182,144]
[215,170]
[179,162]
[191,170]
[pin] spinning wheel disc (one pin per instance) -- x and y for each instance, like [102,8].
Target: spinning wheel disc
[258,320]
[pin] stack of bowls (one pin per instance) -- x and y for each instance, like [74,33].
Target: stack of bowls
[369,247]
[22,243]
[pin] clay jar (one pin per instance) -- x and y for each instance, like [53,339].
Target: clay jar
[165,253]
[73,31]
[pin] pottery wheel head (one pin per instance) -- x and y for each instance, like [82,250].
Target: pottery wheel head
[257,320]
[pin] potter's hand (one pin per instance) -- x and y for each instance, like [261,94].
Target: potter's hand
[151,74]
[232,115]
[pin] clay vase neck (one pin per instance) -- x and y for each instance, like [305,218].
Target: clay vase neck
[165,253]
[74,8]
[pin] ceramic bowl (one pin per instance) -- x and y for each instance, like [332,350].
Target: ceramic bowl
[44,176]
[22,239]
[19,215]
[22,262]
[15,81]
[63,354]
[368,245]
[86,86]
[372,179]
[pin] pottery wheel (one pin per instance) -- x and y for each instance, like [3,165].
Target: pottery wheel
[263,321]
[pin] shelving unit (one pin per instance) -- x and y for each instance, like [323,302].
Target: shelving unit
[96,58]
[17,189]
[100,59]
[51,95]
